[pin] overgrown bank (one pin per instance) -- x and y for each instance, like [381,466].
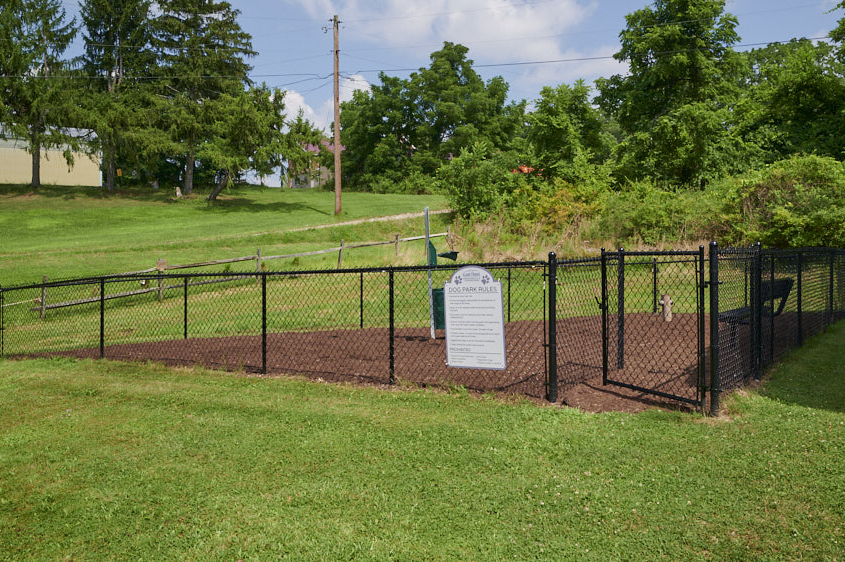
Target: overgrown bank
[799,201]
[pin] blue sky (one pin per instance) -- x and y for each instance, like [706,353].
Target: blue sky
[294,40]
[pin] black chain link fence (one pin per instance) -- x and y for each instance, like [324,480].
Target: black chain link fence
[771,301]
[639,320]
[368,325]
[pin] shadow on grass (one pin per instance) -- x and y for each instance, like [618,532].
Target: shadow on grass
[813,376]
[69,193]
[243,204]
[232,201]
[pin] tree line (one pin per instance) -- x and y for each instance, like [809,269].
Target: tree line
[164,86]
[690,109]
[690,140]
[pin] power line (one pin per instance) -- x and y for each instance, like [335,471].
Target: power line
[583,59]
[456,12]
[569,34]
[316,76]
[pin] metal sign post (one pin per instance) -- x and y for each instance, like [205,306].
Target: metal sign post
[428,261]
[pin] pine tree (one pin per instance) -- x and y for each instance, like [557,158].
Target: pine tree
[36,106]
[203,48]
[118,62]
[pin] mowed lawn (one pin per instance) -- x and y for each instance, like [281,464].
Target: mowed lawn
[65,232]
[102,460]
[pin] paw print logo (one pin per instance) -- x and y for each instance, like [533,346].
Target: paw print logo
[485,280]
[458,280]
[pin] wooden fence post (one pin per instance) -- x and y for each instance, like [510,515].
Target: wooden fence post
[340,255]
[161,265]
[44,297]
[396,252]
[258,265]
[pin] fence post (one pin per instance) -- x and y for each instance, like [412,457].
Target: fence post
[257,264]
[392,325]
[1,321]
[603,304]
[361,298]
[396,250]
[758,374]
[340,255]
[654,286]
[44,297]
[756,330]
[830,291]
[185,311]
[551,391]
[161,266]
[702,357]
[715,377]
[264,323]
[509,294]
[620,312]
[840,283]
[102,317]
[800,299]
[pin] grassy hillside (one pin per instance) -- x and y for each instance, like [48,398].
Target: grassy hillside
[108,460]
[69,231]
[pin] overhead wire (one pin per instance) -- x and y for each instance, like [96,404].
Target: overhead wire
[316,76]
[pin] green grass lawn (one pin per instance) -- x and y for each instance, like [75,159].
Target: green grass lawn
[102,460]
[66,232]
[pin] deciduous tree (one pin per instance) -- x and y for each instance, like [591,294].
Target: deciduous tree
[674,103]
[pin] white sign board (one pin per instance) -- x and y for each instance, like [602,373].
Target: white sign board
[475,322]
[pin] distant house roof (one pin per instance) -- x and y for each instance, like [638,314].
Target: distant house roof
[522,169]
[324,143]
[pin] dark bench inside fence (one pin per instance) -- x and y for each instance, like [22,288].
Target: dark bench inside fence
[771,293]
[773,297]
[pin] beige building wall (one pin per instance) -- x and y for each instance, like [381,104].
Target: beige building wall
[16,167]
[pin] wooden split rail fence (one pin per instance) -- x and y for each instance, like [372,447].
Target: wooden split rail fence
[42,306]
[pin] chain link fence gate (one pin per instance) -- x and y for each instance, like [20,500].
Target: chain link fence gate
[653,323]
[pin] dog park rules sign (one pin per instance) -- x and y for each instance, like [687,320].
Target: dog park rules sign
[475,322]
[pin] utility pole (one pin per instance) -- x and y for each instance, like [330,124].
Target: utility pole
[335,21]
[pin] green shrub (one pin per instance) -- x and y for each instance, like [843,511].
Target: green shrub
[799,201]
[416,183]
[650,215]
[479,180]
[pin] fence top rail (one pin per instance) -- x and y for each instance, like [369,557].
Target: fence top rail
[56,283]
[767,250]
[235,275]
[724,253]
[792,252]
[655,253]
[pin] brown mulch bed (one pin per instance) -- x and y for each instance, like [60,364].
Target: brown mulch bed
[657,355]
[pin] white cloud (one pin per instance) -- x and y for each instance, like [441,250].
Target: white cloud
[294,101]
[323,116]
[594,64]
[495,31]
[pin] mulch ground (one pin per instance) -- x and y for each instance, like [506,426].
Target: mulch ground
[657,355]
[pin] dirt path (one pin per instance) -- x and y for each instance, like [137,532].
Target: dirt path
[361,221]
